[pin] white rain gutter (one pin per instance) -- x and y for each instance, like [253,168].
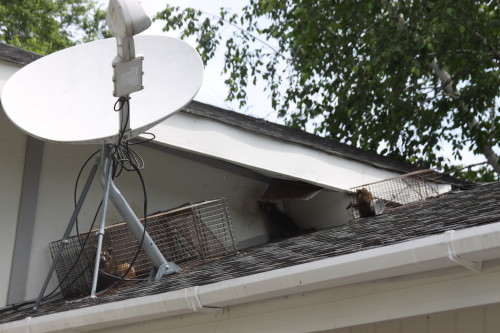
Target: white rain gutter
[468,248]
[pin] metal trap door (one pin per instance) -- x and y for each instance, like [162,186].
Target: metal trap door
[400,191]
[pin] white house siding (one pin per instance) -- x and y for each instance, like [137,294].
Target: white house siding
[12,150]
[449,300]
[11,177]
[480,319]
[7,69]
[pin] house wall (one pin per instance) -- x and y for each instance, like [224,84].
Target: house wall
[12,150]
[480,319]
[452,300]
[7,69]
[171,181]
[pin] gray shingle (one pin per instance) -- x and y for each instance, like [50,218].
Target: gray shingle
[17,55]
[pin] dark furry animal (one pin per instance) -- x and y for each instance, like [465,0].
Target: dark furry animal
[75,292]
[281,225]
[108,261]
[107,269]
[363,203]
[110,270]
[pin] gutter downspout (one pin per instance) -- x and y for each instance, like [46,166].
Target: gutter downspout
[474,266]
[474,244]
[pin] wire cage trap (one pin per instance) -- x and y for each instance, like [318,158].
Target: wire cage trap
[390,194]
[189,235]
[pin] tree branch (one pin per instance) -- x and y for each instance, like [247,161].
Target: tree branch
[485,41]
[447,83]
[244,31]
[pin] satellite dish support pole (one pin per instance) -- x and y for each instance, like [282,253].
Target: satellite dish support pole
[126,18]
[106,167]
[104,162]
[127,78]
[162,266]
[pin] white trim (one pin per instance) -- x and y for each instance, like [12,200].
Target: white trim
[421,255]
[25,221]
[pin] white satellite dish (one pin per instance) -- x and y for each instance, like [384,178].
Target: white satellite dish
[68,96]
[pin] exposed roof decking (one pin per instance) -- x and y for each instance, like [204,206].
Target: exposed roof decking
[455,211]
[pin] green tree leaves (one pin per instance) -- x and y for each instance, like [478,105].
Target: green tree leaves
[364,68]
[45,26]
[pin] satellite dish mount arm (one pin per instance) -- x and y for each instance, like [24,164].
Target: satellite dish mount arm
[125,49]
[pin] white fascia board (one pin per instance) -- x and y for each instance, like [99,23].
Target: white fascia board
[270,156]
[421,255]
[426,254]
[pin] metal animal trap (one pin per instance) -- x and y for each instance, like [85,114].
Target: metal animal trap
[75,267]
[189,235]
[392,193]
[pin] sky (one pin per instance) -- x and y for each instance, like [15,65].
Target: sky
[214,91]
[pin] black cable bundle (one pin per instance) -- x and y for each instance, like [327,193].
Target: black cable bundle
[124,158]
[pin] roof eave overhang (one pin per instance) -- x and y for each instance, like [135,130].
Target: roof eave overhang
[467,248]
[263,154]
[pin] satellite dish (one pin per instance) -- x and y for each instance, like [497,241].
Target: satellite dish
[71,96]
[68,96]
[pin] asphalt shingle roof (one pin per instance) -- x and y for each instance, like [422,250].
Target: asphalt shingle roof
[476,206]
[17,55]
